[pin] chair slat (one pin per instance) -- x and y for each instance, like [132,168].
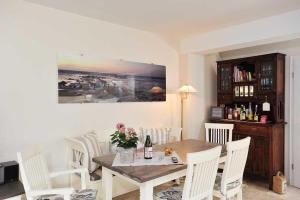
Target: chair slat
[218,133]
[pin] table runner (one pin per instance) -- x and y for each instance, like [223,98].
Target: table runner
[159,158]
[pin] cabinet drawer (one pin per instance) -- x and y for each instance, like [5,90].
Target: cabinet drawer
[250,129]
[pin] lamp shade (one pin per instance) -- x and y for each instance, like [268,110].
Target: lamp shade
[187,89]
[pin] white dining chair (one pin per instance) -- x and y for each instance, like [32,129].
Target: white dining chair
[229,183]
[160,135]
[200,177]
[218,133]
[79,155]
[37,179]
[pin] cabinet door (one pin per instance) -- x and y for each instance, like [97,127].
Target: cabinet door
[267,76]
[257,161]
[260,164]
[225,79]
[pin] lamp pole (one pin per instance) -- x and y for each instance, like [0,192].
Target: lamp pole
[184,96]
[181,124]
[184,92]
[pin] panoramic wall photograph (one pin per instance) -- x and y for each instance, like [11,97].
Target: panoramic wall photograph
[90,79]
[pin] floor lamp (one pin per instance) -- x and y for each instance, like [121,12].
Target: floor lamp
[184,91]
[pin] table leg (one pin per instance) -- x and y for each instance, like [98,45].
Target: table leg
[146,191]
[107,183]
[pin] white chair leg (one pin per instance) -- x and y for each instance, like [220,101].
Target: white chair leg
[99,190]
[240,195]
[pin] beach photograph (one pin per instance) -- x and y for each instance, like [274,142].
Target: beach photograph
[90,79]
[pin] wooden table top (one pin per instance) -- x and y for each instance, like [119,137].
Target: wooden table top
[138,174]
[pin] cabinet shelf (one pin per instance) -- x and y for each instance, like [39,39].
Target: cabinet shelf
[254,82]
[245,99]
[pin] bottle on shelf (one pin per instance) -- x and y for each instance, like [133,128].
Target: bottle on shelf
[250,113]
[148,148]
[243,113]
[226,109]
[235,113]
[256,114]
[229,114]
[266,105]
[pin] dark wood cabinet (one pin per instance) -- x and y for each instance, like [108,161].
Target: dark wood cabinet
[265,75]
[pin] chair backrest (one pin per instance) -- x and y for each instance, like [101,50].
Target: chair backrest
[34,171]
[160,135]
[218,133]
[237,153]
[175,134]
[201,174]
[77,154]
[82,149]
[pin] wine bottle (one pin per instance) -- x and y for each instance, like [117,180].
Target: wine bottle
[226,112]
[250,113]
[256,114]
[242,113]
[230,114]
[148,148]
[235,113]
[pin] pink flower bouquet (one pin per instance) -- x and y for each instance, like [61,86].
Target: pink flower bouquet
[126,138]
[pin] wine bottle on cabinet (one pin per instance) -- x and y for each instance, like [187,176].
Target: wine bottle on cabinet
[250,113]
[243,113]
[256,113]
[148,148]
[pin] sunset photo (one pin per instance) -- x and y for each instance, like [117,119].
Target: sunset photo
[89,79]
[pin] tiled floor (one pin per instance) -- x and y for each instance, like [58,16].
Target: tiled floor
[259,191]
[252,190]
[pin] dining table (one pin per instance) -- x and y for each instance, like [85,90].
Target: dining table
[148,176]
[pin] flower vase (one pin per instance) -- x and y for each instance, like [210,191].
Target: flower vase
[127,154]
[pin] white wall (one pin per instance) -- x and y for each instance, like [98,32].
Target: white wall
[30,38]
[291,49]
[200,72]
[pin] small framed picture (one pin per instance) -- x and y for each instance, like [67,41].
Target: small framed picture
[236,91]
[241,91]
[251,90]
[217,113]
[246,91]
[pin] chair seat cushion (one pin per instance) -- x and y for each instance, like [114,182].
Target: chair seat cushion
[86,194]
[173,193]
[230,186]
